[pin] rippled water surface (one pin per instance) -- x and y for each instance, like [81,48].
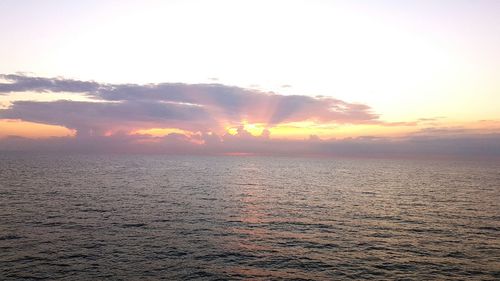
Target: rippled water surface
[181,218]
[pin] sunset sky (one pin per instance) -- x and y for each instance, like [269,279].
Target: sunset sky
[313,77]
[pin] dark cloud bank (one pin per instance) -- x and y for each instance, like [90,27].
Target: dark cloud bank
[198,107]
[204,110]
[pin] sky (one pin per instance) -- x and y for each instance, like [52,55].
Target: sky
[350,78]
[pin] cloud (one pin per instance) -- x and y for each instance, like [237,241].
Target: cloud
[485,146]
[22,83]
[203,107]
[99,118]
[204,111]
[235,103]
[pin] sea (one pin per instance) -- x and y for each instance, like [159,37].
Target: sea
[163,217]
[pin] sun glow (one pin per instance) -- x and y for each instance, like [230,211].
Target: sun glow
[161,132]
[304,130]
[255,129]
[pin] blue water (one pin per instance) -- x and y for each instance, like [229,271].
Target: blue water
[138,217]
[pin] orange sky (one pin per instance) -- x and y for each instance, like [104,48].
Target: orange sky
[9,127]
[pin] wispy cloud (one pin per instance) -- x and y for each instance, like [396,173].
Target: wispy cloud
[22,83]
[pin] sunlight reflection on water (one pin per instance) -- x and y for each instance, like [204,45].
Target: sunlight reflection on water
[182,218]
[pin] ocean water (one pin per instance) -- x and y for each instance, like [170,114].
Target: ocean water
[136,217]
